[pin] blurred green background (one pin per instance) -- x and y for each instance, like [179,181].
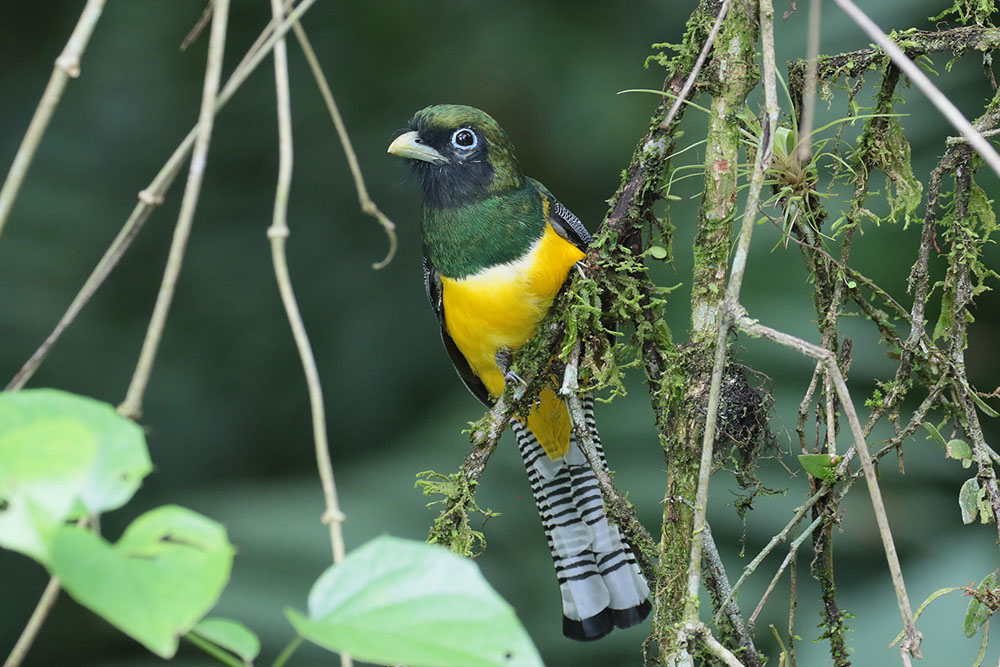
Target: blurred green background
[226,412]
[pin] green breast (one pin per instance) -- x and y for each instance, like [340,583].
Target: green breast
[461,241]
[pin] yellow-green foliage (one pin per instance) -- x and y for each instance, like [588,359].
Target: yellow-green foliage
[451,528]
[967,237]
[892,155]
[964,11]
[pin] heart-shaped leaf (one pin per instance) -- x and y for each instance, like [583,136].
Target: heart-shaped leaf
[44,465]
[122,459]
[231,635]
[165,573]
[398,601]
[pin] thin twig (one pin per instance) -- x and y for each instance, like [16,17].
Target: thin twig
[804,147]
[287,652]
[793,601]
[770,587]
[198,28]
[693,75]
[67,66]
[634,532]
[213,650]
[761,164]
[367,205]
[793,549]
[717,574]
[916,75]
[30,631]
[152,196]
[132,405]
[800,512]
[278,234]
[913,638]
[804,404]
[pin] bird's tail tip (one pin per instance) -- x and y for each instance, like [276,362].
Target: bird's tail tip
[599,625]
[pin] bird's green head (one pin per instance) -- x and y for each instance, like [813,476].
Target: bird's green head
[461,154]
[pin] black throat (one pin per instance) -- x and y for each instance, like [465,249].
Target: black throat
[455,183]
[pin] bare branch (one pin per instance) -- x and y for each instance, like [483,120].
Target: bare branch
[278,234]
[912,644]
[367,205]
[804,147]
[27,638]
[132,405]
[153,195]
[67,67]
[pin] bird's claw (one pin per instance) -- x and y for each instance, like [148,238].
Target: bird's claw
[511,376]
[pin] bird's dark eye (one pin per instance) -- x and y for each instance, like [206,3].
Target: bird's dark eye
[464,139]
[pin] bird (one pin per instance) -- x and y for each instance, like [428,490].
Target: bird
[497,248]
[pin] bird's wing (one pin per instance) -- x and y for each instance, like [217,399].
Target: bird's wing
[564,222]
[432,286]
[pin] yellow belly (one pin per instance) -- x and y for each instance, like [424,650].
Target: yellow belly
[499,309]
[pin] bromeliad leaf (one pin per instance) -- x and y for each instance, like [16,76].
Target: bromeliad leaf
[398,601]
[167,570]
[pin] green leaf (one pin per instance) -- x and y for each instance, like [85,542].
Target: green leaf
[958,449]
[821,466]
[987,410]
[230,635]
[167,570]
[122,459]
[658,252]
[935,435]
[978,613]
[923,605]
[969,499]
[784,140]
[44,465]
[398,601]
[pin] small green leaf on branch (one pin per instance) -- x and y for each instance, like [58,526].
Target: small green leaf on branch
[984,602]
[820,466]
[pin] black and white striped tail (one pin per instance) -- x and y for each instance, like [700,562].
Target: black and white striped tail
[598,577]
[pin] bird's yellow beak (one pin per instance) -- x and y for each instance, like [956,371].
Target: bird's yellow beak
[408,145]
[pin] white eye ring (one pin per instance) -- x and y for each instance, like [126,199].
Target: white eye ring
[464,139]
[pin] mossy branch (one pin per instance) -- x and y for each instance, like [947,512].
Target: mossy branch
[914,43]
[686,382]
